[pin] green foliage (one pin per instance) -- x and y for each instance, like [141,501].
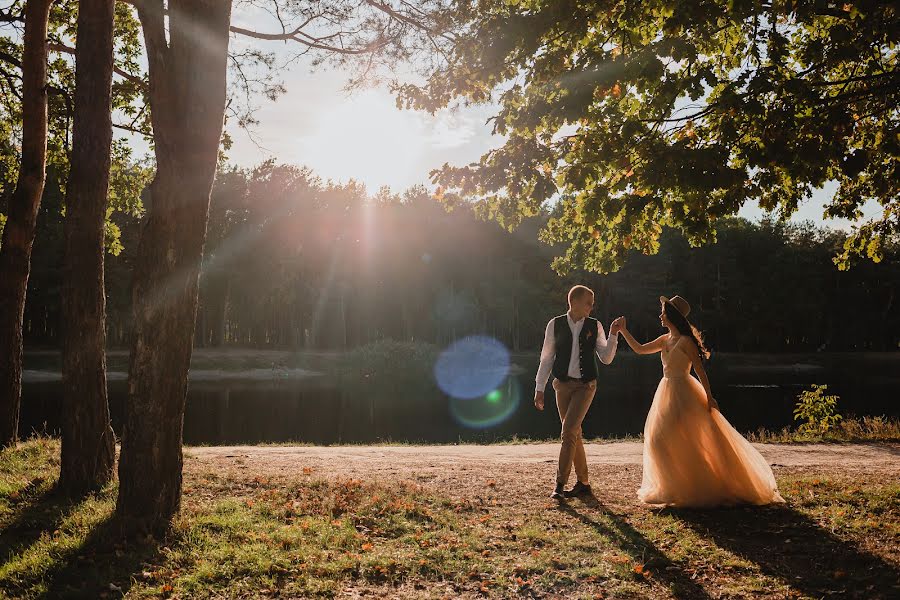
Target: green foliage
[863,429]
[377,360]
[817,410]
[387,366]
[622,117]
[127,177]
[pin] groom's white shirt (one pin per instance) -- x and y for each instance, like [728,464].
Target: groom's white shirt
[606,350]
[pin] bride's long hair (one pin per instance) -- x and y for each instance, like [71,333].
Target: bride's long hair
[685,327]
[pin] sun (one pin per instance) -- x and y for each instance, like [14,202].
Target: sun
[365,137]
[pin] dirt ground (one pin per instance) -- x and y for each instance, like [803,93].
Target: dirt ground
[511,474]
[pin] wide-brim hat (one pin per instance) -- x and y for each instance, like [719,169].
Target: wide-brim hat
[680,304]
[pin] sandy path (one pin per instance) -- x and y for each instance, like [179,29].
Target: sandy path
[866,457]
[518,475]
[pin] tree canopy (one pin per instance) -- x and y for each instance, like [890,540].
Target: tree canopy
[127,177]
[626,116]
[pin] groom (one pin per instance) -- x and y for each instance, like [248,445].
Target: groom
[571,343]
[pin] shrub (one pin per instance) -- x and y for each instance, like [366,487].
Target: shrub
[817,410]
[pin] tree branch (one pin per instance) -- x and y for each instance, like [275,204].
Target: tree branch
[310,41]
[8,17]
[129,128]
[62,48]
[388,10]
[151,15]
[825,82]
[10,59]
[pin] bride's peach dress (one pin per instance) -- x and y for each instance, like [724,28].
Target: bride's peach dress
[694,457]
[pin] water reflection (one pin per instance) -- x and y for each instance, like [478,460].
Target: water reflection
[323,410]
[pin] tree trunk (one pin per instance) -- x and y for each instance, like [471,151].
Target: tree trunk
[18,234]
[88,442]
[187,102]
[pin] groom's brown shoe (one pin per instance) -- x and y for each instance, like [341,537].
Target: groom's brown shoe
[579,489]
[558,493]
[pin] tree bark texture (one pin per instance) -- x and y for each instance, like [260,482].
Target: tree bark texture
[88,442]
[18,234]
[187,103]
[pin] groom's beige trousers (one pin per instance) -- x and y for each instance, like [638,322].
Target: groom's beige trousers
[573,399]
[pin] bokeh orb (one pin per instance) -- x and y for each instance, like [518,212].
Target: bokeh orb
[489,410]
[472,367]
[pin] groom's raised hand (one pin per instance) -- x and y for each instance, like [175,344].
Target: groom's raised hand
[539,400]
[617,325]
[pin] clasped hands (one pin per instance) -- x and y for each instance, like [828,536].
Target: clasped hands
[618,325]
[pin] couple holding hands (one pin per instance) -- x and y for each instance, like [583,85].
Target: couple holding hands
[692,457]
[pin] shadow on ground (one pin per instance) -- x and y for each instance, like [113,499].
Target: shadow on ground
[592,513]
[790,546]
[105,563]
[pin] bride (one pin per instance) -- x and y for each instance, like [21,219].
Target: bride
[693,457]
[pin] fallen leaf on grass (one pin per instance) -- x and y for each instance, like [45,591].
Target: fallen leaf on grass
[641,570]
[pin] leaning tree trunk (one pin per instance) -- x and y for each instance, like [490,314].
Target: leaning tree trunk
[18,235]
[88,443]
[187,104]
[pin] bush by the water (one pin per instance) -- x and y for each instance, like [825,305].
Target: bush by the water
[388,382]
[817,411]
[389,363]
[851,429]
[822,423]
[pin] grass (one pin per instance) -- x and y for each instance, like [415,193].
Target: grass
[515,440]
[852,429]
[256,537]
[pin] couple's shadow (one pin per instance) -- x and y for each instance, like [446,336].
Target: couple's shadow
[608,524]
[782,542]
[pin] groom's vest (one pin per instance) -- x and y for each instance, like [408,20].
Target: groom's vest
[587,341]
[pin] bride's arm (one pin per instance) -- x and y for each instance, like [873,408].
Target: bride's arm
[639,348]
[694,354]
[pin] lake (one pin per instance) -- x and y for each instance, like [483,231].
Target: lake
[248,396]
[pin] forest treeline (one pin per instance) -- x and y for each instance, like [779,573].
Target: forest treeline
[294,262]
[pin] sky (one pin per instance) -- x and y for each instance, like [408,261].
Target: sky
[364,136]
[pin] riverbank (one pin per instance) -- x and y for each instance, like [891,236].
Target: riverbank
[250,396]
[456,521]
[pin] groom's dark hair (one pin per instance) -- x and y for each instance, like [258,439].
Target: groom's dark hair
[579,291]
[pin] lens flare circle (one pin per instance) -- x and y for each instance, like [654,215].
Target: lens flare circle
[490,410]
[472,367]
